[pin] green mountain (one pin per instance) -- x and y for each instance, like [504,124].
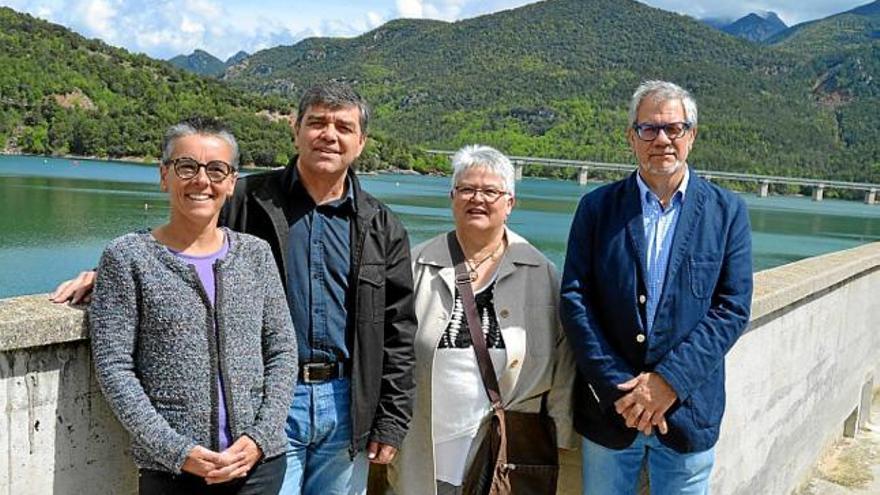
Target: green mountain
[199,62]
[840,59]
[756,27]
[63,94]
[238,57]
[204,64]
[851,29]
[554,78]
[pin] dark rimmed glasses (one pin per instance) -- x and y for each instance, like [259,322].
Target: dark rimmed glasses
[673,130]
[187,168]
[466,193]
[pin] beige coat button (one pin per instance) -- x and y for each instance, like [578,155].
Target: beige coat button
[504,313]
[642,299]
[514,363]
[640,338]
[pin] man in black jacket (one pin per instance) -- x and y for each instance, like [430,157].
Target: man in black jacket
[344,259]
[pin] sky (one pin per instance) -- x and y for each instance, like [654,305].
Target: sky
[165,28]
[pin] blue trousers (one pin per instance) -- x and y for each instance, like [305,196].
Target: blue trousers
[616,472]
[319,434]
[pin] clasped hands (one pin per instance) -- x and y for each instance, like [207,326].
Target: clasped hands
[234,462]
[644,406]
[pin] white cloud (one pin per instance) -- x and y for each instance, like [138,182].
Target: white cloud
[204,9]
[374,19]
[190,27]
[410,8]
[447,10]
[98,16]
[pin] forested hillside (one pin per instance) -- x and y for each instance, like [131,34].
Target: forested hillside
[553,79]
[548,79]
[61,93]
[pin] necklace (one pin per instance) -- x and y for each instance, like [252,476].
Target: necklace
[472,266]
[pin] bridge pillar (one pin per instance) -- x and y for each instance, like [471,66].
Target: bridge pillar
[819,192]
[871,197]
[517,170]
[583,175]
[763,189]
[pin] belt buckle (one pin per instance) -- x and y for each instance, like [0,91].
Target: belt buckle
[307,372]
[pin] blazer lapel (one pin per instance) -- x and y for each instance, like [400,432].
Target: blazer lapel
[635,227]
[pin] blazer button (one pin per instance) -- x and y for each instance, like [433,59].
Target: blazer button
[642,299]
[640,338]
[504,313]
[514,363]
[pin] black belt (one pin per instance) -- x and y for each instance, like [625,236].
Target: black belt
[321,372]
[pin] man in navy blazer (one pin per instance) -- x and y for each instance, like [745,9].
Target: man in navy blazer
[656,289]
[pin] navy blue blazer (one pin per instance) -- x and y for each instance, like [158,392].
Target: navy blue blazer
[703,309]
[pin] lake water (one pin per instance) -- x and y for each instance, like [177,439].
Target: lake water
[57,215]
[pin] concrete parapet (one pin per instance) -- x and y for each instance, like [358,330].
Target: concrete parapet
[796,380]
[57,434]
[806,364]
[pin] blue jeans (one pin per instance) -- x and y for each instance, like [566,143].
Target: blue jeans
[616,472]
[319,435]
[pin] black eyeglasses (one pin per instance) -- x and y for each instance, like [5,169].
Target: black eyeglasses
[186,168]
[673,130]
[467,193]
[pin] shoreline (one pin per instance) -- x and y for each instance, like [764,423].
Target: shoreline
[134,160]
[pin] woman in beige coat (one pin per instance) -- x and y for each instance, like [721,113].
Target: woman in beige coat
[517,290]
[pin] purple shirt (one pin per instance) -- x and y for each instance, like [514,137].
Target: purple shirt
[204,266]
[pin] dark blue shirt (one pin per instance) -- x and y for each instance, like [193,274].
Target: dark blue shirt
[319,251]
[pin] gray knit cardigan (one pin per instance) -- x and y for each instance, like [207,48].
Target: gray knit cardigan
[156,354]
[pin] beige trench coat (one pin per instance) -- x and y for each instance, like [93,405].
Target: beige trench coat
[538,356]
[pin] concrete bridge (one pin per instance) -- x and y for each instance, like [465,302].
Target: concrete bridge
[762,182]
[800,378]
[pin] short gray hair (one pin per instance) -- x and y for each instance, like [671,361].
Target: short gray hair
[659,91]
[205,126]
[476,156]
[334,95]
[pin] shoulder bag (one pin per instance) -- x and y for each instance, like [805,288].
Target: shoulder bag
[518,454]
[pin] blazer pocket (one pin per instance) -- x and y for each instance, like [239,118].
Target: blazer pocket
[703,273]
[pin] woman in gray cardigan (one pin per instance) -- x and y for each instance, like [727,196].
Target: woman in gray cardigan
[191,335]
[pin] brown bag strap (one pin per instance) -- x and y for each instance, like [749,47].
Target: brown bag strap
[463,283]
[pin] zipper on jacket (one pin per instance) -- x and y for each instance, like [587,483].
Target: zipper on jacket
[221,364]
[212,355]
[354,278]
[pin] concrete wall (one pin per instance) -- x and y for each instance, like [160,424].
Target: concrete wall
[794,380]
[57,435]
[809,359]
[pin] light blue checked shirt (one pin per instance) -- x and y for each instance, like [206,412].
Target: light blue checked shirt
[659,226]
